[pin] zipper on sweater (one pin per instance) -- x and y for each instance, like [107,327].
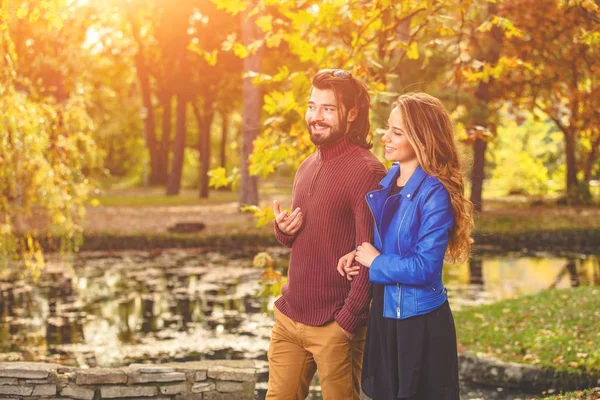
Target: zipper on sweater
[314,178]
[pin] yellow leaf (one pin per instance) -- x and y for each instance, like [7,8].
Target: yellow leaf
[413,51]
[21,13]
[211,58]
[263,260]
[265,23]
[240,50]
[218,178]
[56,23]
[274,40]
[233,7]
[227,45]
[35,15]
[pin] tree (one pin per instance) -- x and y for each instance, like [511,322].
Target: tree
[557,75]
[251,111]
[370,38]
[46,134]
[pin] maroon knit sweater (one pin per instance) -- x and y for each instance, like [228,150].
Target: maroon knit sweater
[330,188]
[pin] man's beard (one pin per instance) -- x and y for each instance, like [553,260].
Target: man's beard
[335,133]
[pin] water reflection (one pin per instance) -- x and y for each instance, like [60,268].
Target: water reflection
[112,309]
[492,278]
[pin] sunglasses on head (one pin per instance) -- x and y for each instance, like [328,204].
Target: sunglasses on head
[338,73]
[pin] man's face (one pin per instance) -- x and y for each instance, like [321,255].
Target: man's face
[322,117]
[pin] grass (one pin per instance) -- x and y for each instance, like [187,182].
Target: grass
[505,216]
[125,208]
[556,329]
[155,196]
[589,394]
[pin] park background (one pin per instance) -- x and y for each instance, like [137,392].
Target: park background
[142,143]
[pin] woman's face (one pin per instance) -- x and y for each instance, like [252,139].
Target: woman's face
[397,146]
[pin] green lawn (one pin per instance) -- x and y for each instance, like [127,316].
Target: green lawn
[590,394]
[556,328]
[157,197]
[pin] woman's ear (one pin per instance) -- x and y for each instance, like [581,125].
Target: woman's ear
[353,113]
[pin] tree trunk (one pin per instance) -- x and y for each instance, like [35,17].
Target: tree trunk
[250,114]
[174,184]
[477,175]
[492,48]
[591,160]
[224,127]
[204,121]
[572,182]
[148,112]
[165,145]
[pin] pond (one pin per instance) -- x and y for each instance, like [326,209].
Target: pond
[116,308]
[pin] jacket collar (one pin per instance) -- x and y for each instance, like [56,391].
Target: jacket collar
[411,186]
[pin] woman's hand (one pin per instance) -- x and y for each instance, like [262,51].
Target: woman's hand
[345,267]
[366,253]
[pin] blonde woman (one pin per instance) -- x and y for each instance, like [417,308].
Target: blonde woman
[421,218]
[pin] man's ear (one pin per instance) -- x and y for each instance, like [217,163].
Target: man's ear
[353,113]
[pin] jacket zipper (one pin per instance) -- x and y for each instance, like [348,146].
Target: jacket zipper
[399,251]
[432,287]
[375,219]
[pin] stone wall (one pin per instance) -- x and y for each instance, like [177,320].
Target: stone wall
[218,380]
[491,371]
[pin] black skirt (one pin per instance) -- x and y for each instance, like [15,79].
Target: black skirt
[414,358]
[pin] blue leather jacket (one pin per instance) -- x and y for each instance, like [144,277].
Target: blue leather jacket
[412,245]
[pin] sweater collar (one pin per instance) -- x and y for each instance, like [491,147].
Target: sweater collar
[336,149]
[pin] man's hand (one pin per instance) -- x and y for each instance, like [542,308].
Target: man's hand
[288,224]
[349,335]
[345,267]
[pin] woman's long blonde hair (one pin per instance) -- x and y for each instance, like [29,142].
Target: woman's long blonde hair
[430,131]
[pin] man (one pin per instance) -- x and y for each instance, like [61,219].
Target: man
[320,317]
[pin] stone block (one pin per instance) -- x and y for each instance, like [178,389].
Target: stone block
[77,392]
[200,376]
[158,377]
[38,381]
[203,387]
[151,369]
[232,374]
[16,390]
[224,396]
[170,390]
[117,392]
[100,376]
[25,370]
[189,396]
[228,386]
[44,390]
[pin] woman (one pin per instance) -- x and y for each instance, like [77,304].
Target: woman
[421,218]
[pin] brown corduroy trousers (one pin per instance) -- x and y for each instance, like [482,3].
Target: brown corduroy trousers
[296,351]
